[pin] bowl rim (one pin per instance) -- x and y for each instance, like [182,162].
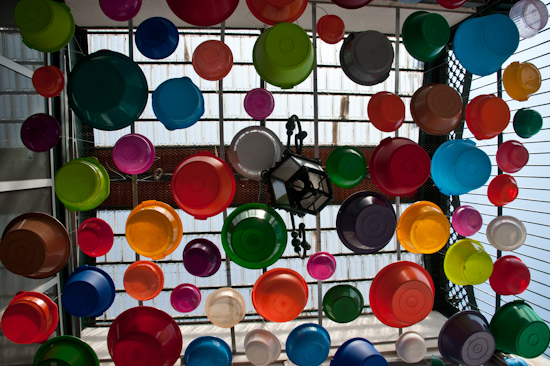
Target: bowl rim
[132,66]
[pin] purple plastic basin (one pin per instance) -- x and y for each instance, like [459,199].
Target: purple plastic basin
[366,222]
[201,258]
[259,103]
[40,132]
[321,265]
[465,339]
[467,220]
[185,298]
[133,153]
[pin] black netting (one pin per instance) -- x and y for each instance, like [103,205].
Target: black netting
[449,297]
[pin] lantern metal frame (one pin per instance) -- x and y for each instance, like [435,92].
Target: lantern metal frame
[298,184]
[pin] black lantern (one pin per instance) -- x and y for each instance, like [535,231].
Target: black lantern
[298,184]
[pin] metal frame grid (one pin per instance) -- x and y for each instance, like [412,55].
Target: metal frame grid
[324,130]
[84,141]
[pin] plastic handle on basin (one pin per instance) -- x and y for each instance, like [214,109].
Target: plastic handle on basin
[160,256]
[92,159]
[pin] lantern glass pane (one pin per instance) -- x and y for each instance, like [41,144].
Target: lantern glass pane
[286,170]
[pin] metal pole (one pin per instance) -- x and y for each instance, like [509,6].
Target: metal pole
[499,142]
[397,44]
[222,156]
[133,127]
[61,65]
[316,151]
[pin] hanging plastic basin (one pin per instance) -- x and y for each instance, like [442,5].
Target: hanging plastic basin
[366,222]
[366,57]
[502,190]
[527,123]
[144,336]
[506,233]
[530,16]
[515,361]
[40,132]
[521,80]
[435,361]
[143,280]
[308,345]
[121,10]
[254,236]
[30,317]
[253,150]
[425,35]
[467,263]
[331,28]
[82,184]
[48,81]
[95,237]
[487,116]
[225,307]
[351,4]
[321,265]
[153,229]
[107,90]
[88,292]
[519,330]
[423,228]
[343,303]
[208,351]
[276,11]
[65,350]
[203,185]
[167,105]
[212,60]
[465,339]
[483,44]
[459,167]
[358,351]
[386,111]
[201,258]
[35,245]
[411,347]
[280,295]
[204,13]
[46,25]
[399,166]
[451,4]
[510,276]
[133,154]
[402,294]
[346,166]
[261,347]
[283,55]
[185,298]
[512,156]
[259,103]
[436,108]
[467,220]
[157,38]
